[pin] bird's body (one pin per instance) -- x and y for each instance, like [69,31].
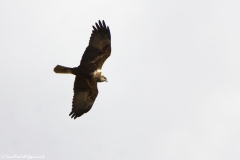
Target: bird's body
[88,73]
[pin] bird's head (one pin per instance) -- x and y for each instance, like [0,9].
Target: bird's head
[102,79]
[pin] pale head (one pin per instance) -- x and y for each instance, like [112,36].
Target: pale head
[102,79]
[99,70]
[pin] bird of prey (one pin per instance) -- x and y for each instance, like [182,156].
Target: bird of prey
[88,73]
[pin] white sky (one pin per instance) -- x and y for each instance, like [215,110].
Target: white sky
[174,80]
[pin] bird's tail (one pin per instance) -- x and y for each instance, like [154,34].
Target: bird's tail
[62,69]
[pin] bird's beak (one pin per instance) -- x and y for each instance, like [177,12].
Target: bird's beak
[106,81]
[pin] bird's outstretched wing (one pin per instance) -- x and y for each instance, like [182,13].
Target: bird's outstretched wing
[85,93]
[99,47]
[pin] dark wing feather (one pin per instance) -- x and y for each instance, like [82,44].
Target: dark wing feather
[85,93]
[99,47]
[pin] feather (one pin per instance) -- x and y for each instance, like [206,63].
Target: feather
[62,69]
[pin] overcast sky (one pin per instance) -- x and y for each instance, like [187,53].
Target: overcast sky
[173,90]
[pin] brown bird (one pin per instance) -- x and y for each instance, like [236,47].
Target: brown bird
[88,73]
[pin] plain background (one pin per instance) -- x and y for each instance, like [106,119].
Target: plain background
[174,80]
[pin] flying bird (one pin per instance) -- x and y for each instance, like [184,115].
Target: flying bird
[88,73]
